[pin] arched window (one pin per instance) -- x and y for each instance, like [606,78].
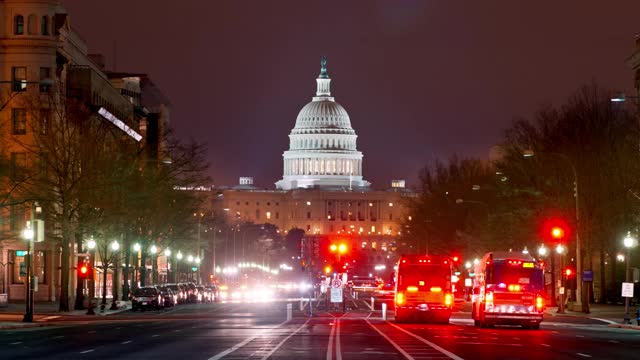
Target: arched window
[32,24]
[19,25]
[44,25]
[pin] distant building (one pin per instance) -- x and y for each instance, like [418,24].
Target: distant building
[634,62]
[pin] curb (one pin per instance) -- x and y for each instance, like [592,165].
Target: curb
[624,326]
[23,326]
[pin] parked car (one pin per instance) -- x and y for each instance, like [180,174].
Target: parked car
[146,297]
[215,292]
[204,294]
[179,292]
[169,298]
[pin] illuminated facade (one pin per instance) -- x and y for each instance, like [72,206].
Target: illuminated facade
[322,145]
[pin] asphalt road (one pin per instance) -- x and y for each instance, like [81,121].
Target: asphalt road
[260,331]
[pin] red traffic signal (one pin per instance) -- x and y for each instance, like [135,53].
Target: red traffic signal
[83,270]
[557,232]
[568,272]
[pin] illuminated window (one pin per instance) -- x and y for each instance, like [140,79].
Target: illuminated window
[268,215]
[373,228]
[19,78]
[19,25]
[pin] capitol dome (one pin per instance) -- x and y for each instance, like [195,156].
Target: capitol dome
[322,145]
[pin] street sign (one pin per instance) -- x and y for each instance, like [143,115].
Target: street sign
[587,275]
[336,294]
[336,284]
[627,290]
[21,253]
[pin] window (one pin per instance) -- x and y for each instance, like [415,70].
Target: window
[18,121]
[44,25]
[257,214]
[45,121]
[43,163]
[45,77]
[308,214]
[390,216]
[237,202]
[308,228]
[32,26]
[18,25]
[258,203]
[20,267]
[18,164]
[277,215]
[268,215]
[19,78]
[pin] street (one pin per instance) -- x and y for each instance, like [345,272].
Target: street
[259,330]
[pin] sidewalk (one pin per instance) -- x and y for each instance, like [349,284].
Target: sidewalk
[12,314]
[612,314]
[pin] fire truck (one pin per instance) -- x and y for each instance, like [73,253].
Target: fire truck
[508,289]
[423,289]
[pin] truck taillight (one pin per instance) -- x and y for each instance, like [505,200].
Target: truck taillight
[539,302]
[399,298]
[448,299]
[488,299]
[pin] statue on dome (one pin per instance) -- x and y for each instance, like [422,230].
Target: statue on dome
[323,67]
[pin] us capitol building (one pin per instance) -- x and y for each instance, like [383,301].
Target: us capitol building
[322,190]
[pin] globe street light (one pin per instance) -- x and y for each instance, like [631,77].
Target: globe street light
[136,247]
[167,252]
[190,258]
[115,246]
[153,249]
[91,245]
[179,256]
[542,251]
[629,242]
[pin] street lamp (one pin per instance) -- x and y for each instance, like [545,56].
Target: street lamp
[629,242]
[91,246]
[28,234]
[542,251]
[115,246]
[565,158]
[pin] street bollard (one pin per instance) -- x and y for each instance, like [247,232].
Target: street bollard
[301,304]
[384,311]
[373,303]
[289,312]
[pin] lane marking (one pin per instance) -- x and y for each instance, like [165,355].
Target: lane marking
[614,341]
[605,320]
[125,342]
[50,317]
[404,353]
[580,336]
[16,343]
[442,350]
[546,345]
[338,351]
[330,347]
[243,343]
[58,337]
[91,332]
[268,355]
[583,355]
[368,305]
[156,335]
[86,351]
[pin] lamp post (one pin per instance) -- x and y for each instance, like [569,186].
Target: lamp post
[136,270]
[115,246]
[566,159]
[28,235]
[91,246]
[629,242]
[560,249]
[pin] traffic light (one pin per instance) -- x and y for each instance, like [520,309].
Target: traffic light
[83,270]
[568,272]
[557,233]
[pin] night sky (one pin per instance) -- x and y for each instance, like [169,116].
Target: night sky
[420,79]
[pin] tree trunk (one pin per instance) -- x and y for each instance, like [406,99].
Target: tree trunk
[64,265]
[143,268]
